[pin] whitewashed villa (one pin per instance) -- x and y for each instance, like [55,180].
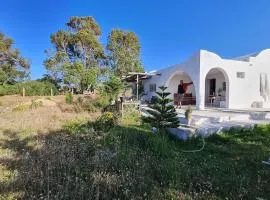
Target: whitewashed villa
[234,83]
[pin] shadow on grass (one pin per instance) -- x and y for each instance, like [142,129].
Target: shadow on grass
[132,163]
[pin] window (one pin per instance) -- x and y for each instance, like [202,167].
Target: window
[224,86]
[240,74]
[152,87]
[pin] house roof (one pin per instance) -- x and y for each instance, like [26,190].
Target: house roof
[132,77]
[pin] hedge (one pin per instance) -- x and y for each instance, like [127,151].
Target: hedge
[32,88]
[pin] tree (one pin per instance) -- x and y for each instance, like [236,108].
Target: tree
[13,66]
[162,113]
[124,52]
[49,79]
[78,56]
[113,86]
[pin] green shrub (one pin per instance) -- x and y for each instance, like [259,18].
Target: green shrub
[83,104]
[32,88]
[89,106]
[9,89]
[102,100]
[105,122]
[131,117]
[35,104]
[80,100]
[78,127]
[69,98]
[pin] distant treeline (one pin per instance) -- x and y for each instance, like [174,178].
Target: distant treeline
[32,88]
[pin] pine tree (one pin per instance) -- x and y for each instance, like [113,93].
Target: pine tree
[162,114]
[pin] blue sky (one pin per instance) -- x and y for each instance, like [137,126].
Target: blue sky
[169,31]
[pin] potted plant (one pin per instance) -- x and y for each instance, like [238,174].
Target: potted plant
[188,115]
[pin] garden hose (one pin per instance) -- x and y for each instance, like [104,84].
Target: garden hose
[196,150]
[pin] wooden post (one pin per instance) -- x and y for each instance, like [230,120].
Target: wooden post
[23,92]
[137,87]
[51,92]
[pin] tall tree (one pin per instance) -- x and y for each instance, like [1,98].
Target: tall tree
[13,66]
[78,55]
[124,52]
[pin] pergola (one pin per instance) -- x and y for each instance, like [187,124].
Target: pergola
[135,77]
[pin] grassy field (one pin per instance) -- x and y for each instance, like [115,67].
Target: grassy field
[41,159]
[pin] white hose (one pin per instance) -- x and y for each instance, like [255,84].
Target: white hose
[197,150]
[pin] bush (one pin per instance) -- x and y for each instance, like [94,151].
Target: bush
[69,98]
[78,127]
[131,116]
[105,122]
[83,104]
[32,88]
[35,104]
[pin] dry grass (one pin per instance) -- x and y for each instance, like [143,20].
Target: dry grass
[29,130]
[44,119]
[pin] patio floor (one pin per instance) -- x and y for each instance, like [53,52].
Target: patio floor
[211,121]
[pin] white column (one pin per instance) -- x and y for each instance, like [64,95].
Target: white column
[200,96]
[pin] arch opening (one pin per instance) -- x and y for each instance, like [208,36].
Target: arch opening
[217,88]
[189,97]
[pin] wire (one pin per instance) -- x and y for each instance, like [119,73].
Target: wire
[194,151]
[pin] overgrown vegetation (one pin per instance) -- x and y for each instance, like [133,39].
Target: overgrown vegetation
[32,88]
[69,98]
[105,122]
[129,162]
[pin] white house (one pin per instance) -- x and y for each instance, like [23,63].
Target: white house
[230,83]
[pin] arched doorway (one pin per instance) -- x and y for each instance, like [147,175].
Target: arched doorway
[217,88]
[172,84]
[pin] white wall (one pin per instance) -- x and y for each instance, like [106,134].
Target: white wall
[240,93]
[190,67]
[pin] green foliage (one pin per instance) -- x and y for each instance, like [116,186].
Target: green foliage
[188,113]
[80,77]
[78,127]
[13,66]
[69,98]
[86,104]
[78,55]
[32,88]
[9,89]
[105,122]
[51,79]
[162,113]
[131,116]
[35,104]
[113,86]
[124,52]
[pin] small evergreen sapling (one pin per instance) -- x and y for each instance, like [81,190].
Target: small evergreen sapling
[162,114]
